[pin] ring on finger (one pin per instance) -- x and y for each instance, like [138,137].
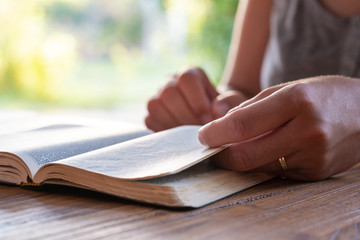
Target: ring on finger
[283,164]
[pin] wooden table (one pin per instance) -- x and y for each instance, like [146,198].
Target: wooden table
[278,209]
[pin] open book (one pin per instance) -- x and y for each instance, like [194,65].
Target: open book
[166,168]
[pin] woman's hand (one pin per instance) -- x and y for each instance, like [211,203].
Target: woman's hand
[189,98]
[313,123]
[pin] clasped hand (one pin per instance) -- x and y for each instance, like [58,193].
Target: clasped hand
[189,98]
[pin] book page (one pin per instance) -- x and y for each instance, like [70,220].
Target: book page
[157,154]
[13,121]
[204,183]
[194,187]
[185,177]
[52,143]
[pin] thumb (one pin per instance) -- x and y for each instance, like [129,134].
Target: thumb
[226,101]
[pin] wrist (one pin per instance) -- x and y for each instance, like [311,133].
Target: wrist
[227,89]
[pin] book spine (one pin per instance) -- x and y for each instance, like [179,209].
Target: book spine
[30,185]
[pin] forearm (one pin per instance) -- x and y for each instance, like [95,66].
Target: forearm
[248,44]
[342,8]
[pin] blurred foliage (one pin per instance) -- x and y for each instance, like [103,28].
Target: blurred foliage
[102,52]
[211,40]
[98,24]
[30,59]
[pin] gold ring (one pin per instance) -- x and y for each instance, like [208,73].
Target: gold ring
[283,164]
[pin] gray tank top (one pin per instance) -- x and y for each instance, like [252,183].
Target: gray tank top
[307,40]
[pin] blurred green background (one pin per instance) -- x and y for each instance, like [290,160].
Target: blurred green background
[101,53]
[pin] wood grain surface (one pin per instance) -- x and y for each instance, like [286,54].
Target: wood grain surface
[277,209]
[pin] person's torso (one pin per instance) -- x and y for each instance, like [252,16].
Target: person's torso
[306,40]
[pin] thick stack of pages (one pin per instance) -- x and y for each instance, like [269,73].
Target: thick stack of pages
[166,168]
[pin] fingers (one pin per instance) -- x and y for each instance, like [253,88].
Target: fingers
[260,96]
[224,102]
[262,155]
[198,93]
[261,151]
[178,107]
[153,124]
[251,121]
[296,169]
[300,166]
[305,122]
[186,99]
[159,117]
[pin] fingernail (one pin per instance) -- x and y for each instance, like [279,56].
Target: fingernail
[206,118]
[201,139]
[222,108]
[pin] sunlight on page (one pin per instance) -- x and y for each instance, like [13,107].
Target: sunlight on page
[156,154]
